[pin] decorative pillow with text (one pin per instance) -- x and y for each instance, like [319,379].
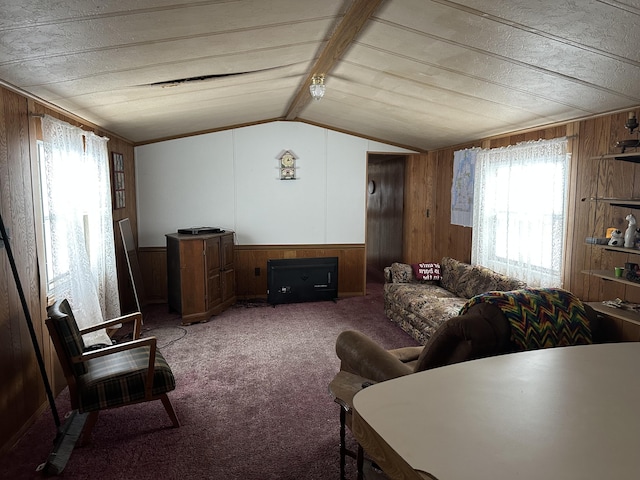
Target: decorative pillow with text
[426,271]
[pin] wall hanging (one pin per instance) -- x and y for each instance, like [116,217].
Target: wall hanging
[287,160]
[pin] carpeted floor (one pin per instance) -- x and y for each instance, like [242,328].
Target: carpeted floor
[251,396]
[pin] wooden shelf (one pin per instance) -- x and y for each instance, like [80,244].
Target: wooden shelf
[630,328]
[625,157]
[626,315]
[620,202]
[609,275]
[631,251]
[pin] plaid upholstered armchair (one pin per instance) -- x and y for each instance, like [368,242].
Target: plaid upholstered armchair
[114,376]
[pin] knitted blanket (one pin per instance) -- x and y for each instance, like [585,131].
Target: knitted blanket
[540,317]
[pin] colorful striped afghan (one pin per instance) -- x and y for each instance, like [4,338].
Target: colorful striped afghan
[540,317]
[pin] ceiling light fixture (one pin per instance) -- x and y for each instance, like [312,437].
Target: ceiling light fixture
[317,86]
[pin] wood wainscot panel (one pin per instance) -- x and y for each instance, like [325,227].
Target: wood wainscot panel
[153,264]
[251,266]
[251,270]
[127,298]
[630,332]
[22,396]
[614,328]
[449,240]
[419,209]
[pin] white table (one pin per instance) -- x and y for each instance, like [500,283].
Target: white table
[559,413]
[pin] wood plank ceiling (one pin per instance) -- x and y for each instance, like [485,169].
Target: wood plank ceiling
[417,73]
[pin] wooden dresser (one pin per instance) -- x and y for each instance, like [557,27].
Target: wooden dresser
[201,274]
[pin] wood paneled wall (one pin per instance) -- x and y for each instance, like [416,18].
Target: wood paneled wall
[251,267]
[22,393]
[125,286]
[601,178]
[153,264]
[249,258]
[419,209]
[428,233]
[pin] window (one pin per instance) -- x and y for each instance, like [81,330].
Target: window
[46,219]
[77,223]
[63,271]
[520,209]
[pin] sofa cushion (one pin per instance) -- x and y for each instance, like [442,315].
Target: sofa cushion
[399,273]
[420,309]
[414,294]
[470,280]
[483,279]
[455,275]
[403,273]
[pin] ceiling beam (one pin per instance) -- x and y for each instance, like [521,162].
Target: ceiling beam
[341,39]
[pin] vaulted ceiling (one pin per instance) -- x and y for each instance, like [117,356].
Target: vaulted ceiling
[417,73]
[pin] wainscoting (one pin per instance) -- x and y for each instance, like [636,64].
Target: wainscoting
[251,268]
[153,265]
[251,264]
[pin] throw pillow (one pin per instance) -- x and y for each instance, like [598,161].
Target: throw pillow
[426,271]
[400,273]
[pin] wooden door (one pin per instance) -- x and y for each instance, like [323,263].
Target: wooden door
[385,207]
[226,249]
[228,278]
[192,275]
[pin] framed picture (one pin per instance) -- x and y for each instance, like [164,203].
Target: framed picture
[118,180]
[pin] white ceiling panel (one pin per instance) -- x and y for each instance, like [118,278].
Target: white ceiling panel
[418,73]
[77,72]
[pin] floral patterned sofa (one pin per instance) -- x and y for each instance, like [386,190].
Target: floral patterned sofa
[419,307]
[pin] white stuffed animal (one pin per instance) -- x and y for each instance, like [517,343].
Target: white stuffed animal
[630,234]
[617,239]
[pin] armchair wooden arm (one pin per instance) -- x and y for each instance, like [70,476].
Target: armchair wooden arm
[131,317]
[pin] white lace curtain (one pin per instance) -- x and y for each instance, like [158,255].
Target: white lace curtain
[520,209]
[81,227]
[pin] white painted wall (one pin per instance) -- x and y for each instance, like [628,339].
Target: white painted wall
[231,180]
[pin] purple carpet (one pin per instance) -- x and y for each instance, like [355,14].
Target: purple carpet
[251,397]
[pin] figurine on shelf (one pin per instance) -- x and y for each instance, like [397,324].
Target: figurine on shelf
[616,238]
[630,233]
[632,272]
